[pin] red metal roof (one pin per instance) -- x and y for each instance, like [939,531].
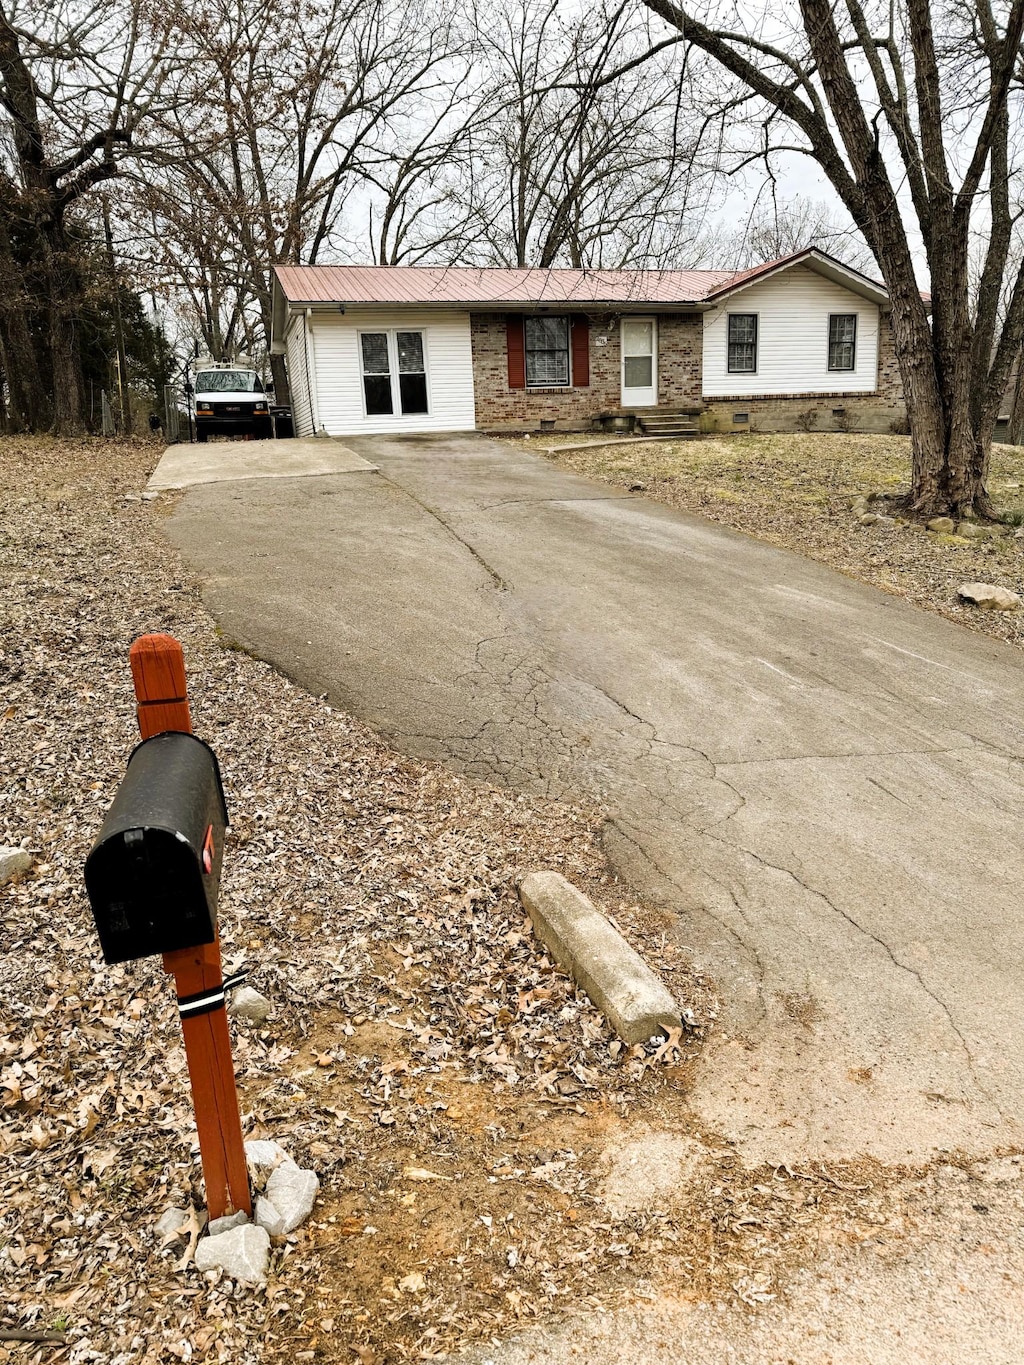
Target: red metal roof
[498,287]
[408,284]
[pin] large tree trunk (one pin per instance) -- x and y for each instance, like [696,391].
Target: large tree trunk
[64,292]
[27,404]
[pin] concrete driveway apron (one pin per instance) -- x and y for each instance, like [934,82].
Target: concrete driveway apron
[823,783]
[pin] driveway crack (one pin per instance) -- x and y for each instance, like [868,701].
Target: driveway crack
[874,938]
[492,574]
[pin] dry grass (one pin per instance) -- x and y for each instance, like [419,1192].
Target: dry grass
[795,491]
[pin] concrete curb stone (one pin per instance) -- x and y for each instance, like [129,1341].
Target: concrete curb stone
[635,1001]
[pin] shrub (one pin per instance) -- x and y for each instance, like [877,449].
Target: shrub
[806,420]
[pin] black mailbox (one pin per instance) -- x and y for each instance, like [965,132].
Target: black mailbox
[154,870]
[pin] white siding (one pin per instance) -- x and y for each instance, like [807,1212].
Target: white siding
[793,308]
[295,339]
[339,381]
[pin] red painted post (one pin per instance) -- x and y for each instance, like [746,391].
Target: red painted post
[158,671]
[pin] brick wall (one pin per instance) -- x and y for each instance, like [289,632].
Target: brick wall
[499,408]
[880,411]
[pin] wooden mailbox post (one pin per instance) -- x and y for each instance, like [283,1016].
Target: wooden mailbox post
[158,671]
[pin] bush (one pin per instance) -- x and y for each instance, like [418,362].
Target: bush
[806,420]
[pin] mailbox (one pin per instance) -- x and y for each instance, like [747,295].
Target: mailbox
[154,871]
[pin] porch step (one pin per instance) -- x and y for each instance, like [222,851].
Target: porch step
[670,424]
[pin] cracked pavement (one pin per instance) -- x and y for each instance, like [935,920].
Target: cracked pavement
[823,783]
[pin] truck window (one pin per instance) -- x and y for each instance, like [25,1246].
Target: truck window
[228,381]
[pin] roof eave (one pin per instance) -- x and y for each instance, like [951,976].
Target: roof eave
[504,305]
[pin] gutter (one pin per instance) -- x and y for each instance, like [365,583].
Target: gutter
[310,306]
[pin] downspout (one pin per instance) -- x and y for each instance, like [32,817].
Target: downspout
[307,338]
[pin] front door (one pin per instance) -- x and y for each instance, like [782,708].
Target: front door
[639,362]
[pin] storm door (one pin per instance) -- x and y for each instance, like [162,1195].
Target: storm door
[639,362]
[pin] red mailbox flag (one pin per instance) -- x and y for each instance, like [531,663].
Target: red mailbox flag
[158,671]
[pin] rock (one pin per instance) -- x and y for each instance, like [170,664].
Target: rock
[229,1221]
[13,862]
[944,524]
[867,518]
[989,596]
[293,1192]
[150,496]
[883,520]
[268,1216]
[168,1225]
[249,1004]
[263,1158]
[243,1253]
[970,530]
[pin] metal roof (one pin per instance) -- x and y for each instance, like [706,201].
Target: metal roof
[423,286]
[438,285]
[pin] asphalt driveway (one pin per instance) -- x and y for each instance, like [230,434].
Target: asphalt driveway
[823,783]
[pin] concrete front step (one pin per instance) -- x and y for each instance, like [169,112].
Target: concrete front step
[670,428]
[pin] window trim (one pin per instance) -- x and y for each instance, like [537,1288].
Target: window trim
[396,394]
[841,369]
[745,313]
[547,384]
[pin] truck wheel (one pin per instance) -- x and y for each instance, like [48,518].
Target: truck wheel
[202,436]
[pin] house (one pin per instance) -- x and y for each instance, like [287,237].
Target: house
[800,341]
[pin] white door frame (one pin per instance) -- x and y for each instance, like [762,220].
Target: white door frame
[646,397]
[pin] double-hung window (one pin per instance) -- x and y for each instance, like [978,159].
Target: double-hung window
[742,343]
[842,341]
[547,352]
[394,373]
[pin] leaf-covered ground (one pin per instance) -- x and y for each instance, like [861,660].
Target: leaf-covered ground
[796,490]
[464,1106]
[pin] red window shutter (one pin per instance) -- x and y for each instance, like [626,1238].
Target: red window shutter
[516,354]
[580,353]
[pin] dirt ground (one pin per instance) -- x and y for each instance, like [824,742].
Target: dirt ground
[797,490]
[489,1155]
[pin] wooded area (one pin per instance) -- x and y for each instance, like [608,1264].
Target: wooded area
[236,136]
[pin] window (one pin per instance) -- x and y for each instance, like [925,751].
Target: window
[842,341]
[742,343]
[228,381]
[394,373]
[547,352]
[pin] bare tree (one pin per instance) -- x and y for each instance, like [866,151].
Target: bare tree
[912,110]
[270,149]
[76,81]
[780,226]
[577,162]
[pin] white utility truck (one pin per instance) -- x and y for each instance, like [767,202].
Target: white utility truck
[229,400]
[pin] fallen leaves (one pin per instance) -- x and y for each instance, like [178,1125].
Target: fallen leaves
[371,897]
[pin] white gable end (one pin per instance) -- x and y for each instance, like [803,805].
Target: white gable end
[793,309]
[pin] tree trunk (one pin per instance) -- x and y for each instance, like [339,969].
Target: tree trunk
[27,405]
[282,393]
[64,293]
